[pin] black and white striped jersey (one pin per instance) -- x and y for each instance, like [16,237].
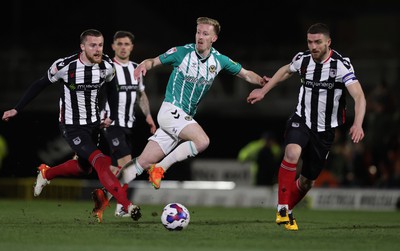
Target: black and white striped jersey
[127,88]
[81,83]
[322,99]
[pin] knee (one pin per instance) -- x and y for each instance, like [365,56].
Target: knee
[292,153]
[202,143]
[84,166]
[305,184]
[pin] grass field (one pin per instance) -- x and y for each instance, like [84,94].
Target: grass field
[67,225]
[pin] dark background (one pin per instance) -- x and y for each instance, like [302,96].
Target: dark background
[261,35]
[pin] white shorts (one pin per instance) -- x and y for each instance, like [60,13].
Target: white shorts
[171,121]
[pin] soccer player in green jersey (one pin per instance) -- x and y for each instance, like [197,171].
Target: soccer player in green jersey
[179,136]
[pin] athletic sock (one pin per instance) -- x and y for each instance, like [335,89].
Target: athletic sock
[68,168]
[286,176]
[183,151]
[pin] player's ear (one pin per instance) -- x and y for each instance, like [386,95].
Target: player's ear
[215,37]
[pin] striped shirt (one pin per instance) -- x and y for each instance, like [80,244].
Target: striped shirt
[81,83]
[322,99]
[193,75]
[127,87]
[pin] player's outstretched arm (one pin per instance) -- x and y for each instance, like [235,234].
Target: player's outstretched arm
[145,66]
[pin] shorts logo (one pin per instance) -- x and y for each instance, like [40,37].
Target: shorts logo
[77,141]
[115,142]
[188,118]
[295,124]
[176,114]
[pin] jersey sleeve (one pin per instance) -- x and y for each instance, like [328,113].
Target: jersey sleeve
[56,70]
[110,69]
[171,56]
[229,65]
[346,72]
[296,62]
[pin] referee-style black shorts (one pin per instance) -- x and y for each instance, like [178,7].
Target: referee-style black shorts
[315,145]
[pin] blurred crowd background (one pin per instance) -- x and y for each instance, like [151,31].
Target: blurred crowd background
[262,36]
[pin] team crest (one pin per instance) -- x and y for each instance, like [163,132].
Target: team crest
[102,73]
[188,118]
[212,68]
[115,142]
[332,73]
[77,141]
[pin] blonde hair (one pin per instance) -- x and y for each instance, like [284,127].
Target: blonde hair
[210,21]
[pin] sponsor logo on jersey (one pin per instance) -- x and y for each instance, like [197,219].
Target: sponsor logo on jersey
[72,86]
[126,88]
[188,118]
[312,84]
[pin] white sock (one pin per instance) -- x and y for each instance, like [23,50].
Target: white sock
[280,206]
[130,172]
[183,151]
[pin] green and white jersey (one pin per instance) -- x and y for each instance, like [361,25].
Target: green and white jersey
[193,75]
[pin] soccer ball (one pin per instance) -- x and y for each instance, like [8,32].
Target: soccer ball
[175,216]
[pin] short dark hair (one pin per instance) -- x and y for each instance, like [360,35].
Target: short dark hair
[89,32]
[319,28]
[120,34]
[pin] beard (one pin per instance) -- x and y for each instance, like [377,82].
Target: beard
[96,58]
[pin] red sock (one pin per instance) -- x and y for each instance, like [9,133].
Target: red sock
[286,176]
[102,165]
[68,168]
[296,194]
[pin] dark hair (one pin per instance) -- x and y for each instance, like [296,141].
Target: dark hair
[120,34]
[319,28]
[89,32]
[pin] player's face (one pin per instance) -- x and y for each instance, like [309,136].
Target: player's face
[205,36]
[92,47]
[318,44]
[122,48]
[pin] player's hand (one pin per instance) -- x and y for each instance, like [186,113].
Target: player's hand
[356,133]
[9,114]
[140,71]
[151,123]
[264,80]
[255,96]
[106,123]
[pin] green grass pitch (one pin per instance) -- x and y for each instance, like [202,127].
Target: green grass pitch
[51,225]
